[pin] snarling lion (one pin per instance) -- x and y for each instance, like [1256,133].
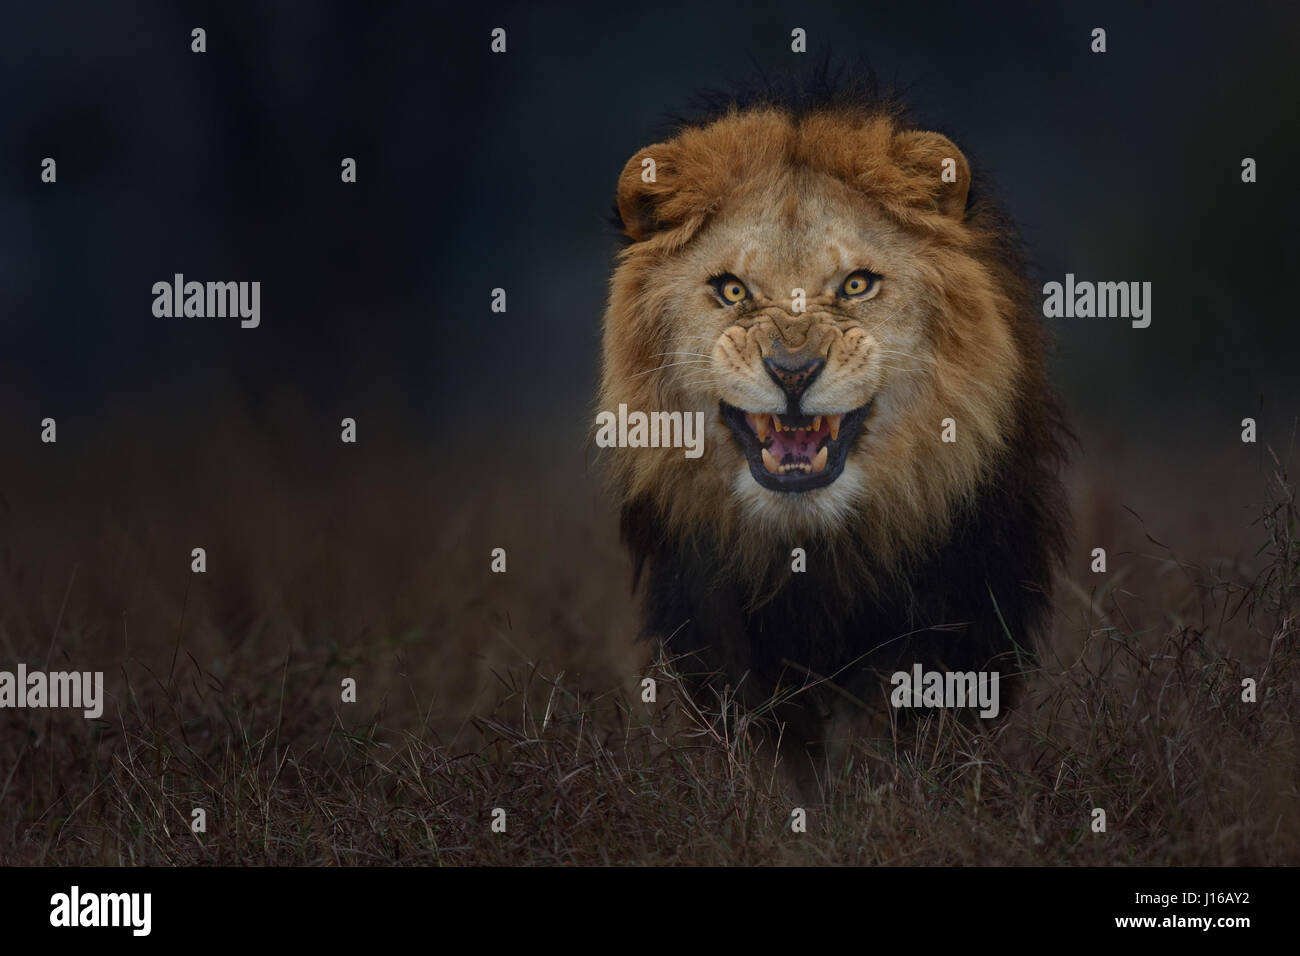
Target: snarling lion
[816,273]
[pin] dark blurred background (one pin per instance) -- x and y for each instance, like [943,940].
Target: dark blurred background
[479,170]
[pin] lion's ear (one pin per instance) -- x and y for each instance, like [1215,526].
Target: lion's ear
[646,181]
[935,160]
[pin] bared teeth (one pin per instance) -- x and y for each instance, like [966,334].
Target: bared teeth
[819,462]
[770,462]
[760,421]
[765,423]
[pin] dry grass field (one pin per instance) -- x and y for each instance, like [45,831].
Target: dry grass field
[520,691]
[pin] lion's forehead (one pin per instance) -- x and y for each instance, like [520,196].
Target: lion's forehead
[828,231]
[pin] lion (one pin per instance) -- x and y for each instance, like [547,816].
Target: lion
[880,485]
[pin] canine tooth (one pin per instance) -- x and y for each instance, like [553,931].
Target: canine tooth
[770,462]
[835,426]
[817,424]
[761,428]
[819,462]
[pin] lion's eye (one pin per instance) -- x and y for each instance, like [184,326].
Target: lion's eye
[859,284]
[731,289]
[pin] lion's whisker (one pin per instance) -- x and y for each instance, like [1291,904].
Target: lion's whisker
[872,330]
[662,367]
[928,360]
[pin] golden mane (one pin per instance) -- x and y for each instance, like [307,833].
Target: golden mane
[987,352]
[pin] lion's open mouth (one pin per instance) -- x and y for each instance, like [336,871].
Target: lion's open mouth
[794,452]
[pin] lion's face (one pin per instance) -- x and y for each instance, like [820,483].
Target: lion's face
[826,336]
[807,307]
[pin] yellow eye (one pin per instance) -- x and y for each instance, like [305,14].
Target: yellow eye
[732,290]
[859,284]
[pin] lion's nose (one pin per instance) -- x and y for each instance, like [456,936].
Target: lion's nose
[791,379]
